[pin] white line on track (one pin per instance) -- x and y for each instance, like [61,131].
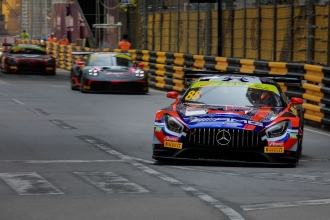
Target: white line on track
[3,82]
[62,161]
[317,132]
[29,183]
[3,94]
[110,182]
[285,204]
[231,213]
[18,102]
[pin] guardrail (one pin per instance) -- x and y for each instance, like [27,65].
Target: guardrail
[166,71]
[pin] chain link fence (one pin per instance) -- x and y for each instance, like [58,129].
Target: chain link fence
[270,30]
[177,26]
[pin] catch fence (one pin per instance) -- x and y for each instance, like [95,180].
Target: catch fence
[281,31]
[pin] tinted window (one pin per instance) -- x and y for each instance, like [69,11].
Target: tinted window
[109,60]
[27,50]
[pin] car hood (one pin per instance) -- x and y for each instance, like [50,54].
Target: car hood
[202,116]
[30,56]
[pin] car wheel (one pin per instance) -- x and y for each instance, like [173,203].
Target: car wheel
[53,73]
[73,86]
[295,161]
[82,90]
[300,138]
[300,144]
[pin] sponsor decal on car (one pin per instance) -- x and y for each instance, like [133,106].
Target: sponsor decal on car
[158,128]
[275,143]
[13,67]
[227,120]
[171,138]
[172,144]
[293,135]
[269,149]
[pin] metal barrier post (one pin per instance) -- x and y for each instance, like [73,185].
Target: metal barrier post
[310,43]
[207,28]
[274,32]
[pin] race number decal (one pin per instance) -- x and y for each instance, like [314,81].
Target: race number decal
[193,95]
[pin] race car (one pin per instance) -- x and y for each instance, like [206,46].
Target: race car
[27,58]
[108,72]
[230,118]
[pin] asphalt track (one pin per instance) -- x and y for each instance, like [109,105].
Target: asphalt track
[69,155]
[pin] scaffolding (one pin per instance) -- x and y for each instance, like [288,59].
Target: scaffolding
[36,18]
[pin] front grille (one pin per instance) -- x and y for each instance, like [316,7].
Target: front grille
[209,136]
[25,64]
[118,87]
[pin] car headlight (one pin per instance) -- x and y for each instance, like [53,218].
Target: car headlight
[50,62]
[12,61]
[277,129]
[139,73]
[93,72]
[173,124]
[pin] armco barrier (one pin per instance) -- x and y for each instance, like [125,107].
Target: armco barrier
[166,71]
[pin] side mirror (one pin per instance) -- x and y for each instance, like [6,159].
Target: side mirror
[141,65]
[172,95]
[295,101]
[80,63]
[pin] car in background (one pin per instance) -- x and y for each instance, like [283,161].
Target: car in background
[108,72]
[230,118]
[27,58]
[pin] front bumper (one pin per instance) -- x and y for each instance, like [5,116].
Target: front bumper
[116,86]
[249,155]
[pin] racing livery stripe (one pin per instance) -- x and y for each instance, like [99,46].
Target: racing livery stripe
[260,114]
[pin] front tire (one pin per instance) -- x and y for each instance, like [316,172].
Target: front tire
[82,90]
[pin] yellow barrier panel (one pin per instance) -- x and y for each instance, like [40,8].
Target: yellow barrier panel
[199,61]
[221,63]
[179,59]
[314,73]
[247,66]
[312,112]
[277,68]
[161,57]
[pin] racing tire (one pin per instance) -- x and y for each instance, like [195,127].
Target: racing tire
[82,90]
[295,160]
[73,86]
[300,138]
[53,73]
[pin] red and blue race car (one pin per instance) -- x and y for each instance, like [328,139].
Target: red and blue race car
[230,118]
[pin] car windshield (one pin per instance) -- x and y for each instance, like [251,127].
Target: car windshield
[27,50]
[221,93]
[110,60]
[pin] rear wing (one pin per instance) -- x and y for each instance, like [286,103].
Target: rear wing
[81,53]
[277,78]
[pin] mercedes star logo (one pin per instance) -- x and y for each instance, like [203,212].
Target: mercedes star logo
[223,137]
